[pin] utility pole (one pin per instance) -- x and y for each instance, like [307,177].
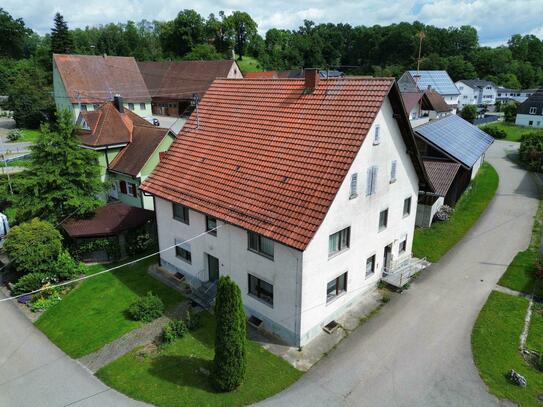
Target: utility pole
[421,37]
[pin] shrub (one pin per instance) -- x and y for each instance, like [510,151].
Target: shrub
[147,308]
[33,246]
[531,150]
[15,135]
[173,330]
[30,282]
[45,300]
[230,361]
[494,132]
[469,113]
[192,321]
[66,268]
[510,111]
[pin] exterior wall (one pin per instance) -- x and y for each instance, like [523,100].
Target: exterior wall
[530,120]
[477,166]
[426,212]
[234,72]
[105,157]
[62,100]
[236,261]
[116,193]
[362,215]
[488,95]
[468,96]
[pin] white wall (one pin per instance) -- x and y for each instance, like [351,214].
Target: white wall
[477,166]
[362,215]
[235,72]
[468,96]
[236,261]
[530,120]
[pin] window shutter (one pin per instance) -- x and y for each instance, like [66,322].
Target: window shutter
[134,190]
[377,134]
[369,181]
[393,171]
[373,180]
[122,186]
[354,185]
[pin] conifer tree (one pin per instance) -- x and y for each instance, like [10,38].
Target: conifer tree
[61,38]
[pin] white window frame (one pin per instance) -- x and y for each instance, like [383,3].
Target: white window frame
[377,134]
[353,186]
[533,110]
[393,171]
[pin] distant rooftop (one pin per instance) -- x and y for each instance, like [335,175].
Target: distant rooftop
[440,81]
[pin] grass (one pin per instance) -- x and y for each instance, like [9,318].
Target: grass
[521,273]
[94,313]
[535,334]
[495,347]
[433,243]
[176,374]
[513,131]
[29,135]
[249,64]
[23,162]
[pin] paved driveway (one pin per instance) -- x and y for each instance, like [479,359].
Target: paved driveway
[35,373]
[416,350]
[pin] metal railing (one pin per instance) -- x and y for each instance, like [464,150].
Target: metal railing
[399,274]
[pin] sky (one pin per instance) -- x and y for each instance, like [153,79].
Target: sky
[495,20]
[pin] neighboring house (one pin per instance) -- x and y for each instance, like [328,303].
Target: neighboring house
[292,74]
[84,82]
[439,81]
[129,148]
[312,184]
[476,92]
[423,106]
[530,112]
[513,95]
[172,84]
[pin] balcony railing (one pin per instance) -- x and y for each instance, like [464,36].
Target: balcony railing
[399,274]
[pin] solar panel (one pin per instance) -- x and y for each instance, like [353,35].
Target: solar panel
[458,138]
[440,81]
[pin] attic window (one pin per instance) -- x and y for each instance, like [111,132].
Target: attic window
[377,135]
[533,110]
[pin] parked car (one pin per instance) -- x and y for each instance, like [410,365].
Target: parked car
[154,121]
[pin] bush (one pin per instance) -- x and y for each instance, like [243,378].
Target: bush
[494,132]
[510,111]
[531,150]
[66,268]
[192,321]
[230,361]
[173,330]
[15,135]
[45,300]
[469,113]
[33,246]
[147,308]
[30,282]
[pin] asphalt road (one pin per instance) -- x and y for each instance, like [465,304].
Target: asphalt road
[416,350]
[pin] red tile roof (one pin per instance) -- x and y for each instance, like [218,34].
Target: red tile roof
[270,157]
[261,75]
[436,101]
[181,79]
[441,174]
[98,78]
[108,220]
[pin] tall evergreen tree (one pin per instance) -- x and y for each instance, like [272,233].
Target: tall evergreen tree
[230,362]
[61,38]
[63,179]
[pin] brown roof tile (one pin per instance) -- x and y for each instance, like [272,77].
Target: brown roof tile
[441,174]
[270,157]
[97,79]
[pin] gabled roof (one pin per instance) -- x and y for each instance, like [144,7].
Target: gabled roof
[440,81]
[97,78]
[181,79]
[477,83]
[428,100]
[107,126]
[299,73]
[108,220]
[441,174]
[436,102]
[132,158]
[261,75]
[269,156]
[457,138]
[535,100]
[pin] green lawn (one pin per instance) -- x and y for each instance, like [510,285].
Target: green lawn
[249,64]
[535,334]
[94,313]
[434,242]
[29,135]
[23,162]
[513,131]
[175,375]
[495,347]
[521,273]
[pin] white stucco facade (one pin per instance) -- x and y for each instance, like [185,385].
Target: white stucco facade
[301,306]
[483,96]
[529,120]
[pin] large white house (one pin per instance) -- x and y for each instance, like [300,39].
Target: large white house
[476,92]
[513,95]
[307,188]
[530,112]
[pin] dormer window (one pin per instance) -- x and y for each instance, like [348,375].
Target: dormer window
[376,135]
[533,110]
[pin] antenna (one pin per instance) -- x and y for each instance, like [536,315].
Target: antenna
[421,37]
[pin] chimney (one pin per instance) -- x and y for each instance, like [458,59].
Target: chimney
[312,78]
[118,103]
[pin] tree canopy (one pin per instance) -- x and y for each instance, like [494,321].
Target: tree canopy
[61,38]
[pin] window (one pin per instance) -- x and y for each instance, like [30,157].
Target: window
[403,246]
[531,123]
[131,106]
[122,187]
[407,207]
[95,107]
[370,266]
[465,96]
[183,251]
[372,181]
[336,287]
[377,135]
[260,244]
[261,289]
[181,213]
[142,106]
[354,186]
[83,108]
[533,110]
[383,219]
[339,241]
[132,190]
[211,225]
[393,171]
[461,88]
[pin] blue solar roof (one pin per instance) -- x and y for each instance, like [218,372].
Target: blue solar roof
[440,81]
[458,138]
